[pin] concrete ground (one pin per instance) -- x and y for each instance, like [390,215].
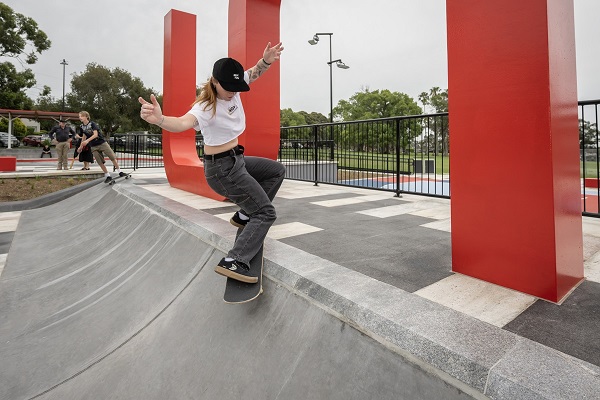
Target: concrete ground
[360,302]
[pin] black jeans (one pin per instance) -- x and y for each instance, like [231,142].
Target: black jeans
[251,183]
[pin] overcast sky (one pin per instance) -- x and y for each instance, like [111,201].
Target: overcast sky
[397,45]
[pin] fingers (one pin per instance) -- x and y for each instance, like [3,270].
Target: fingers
[150,112]
[272,53]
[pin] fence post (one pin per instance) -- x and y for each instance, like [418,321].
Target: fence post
[314,128]
[136,145]
[397,158]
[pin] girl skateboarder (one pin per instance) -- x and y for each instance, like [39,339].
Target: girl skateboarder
[250,182]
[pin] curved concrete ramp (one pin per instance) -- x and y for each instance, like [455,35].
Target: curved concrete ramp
[102,297]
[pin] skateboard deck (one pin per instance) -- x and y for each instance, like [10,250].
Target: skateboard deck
[118,178]
[237,292]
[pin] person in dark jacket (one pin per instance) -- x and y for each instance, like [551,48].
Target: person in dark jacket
[62,133]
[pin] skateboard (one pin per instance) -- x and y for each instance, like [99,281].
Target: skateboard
[118,178]
[237,292]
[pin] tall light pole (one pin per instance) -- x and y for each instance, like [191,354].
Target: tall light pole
[64,63]
[339,64]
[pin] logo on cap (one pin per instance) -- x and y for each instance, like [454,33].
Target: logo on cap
[230,75]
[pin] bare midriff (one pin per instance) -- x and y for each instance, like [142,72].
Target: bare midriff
[209,150]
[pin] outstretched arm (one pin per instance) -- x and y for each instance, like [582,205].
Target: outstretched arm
[270,55]
[152,113]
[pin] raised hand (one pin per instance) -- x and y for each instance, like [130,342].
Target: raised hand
[272,53]
[150,111]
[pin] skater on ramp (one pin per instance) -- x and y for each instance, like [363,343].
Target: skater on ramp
[250,182]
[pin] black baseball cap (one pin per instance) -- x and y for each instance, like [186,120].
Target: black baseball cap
[230,75]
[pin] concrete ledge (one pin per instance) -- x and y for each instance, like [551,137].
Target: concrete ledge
[28,152]
[462,350]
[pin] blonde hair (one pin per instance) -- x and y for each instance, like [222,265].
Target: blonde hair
[85,114]
[208,96]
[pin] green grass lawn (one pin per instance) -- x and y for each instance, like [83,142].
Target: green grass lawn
[591,169]
[367,161]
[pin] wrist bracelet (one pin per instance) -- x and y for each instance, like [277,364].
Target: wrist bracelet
[265,61]
[161,122]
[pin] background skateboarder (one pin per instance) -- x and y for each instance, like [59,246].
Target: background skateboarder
[93,138]
[250,182]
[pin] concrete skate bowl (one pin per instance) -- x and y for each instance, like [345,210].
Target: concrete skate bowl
[104,297]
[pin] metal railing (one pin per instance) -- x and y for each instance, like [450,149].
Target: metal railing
[589,145]
[400,154]
[136,151]
[408,154]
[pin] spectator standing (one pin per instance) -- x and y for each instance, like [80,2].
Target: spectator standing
[62,134]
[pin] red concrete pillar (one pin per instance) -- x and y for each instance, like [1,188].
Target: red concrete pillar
[183,167]
[252,24]
[516,212]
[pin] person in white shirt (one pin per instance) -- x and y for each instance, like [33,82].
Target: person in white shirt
[250,182]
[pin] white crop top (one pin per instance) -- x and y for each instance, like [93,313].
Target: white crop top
[228,122]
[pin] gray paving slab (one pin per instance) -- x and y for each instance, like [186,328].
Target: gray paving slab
[554,325]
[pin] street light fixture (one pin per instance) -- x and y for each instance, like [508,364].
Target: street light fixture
[64,63]
[339,64]
[315,38]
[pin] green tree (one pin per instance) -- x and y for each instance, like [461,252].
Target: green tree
[288,117]
[46,102]
[111,97]
[314,118]
[588,135]
[365,105]
[19,129]
[22,40]
[13,85]
[436,133]
[436,98]
[377,104]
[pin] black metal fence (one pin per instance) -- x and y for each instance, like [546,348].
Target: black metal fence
[401,154]
[136,151]
[589,145]
[408,154]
